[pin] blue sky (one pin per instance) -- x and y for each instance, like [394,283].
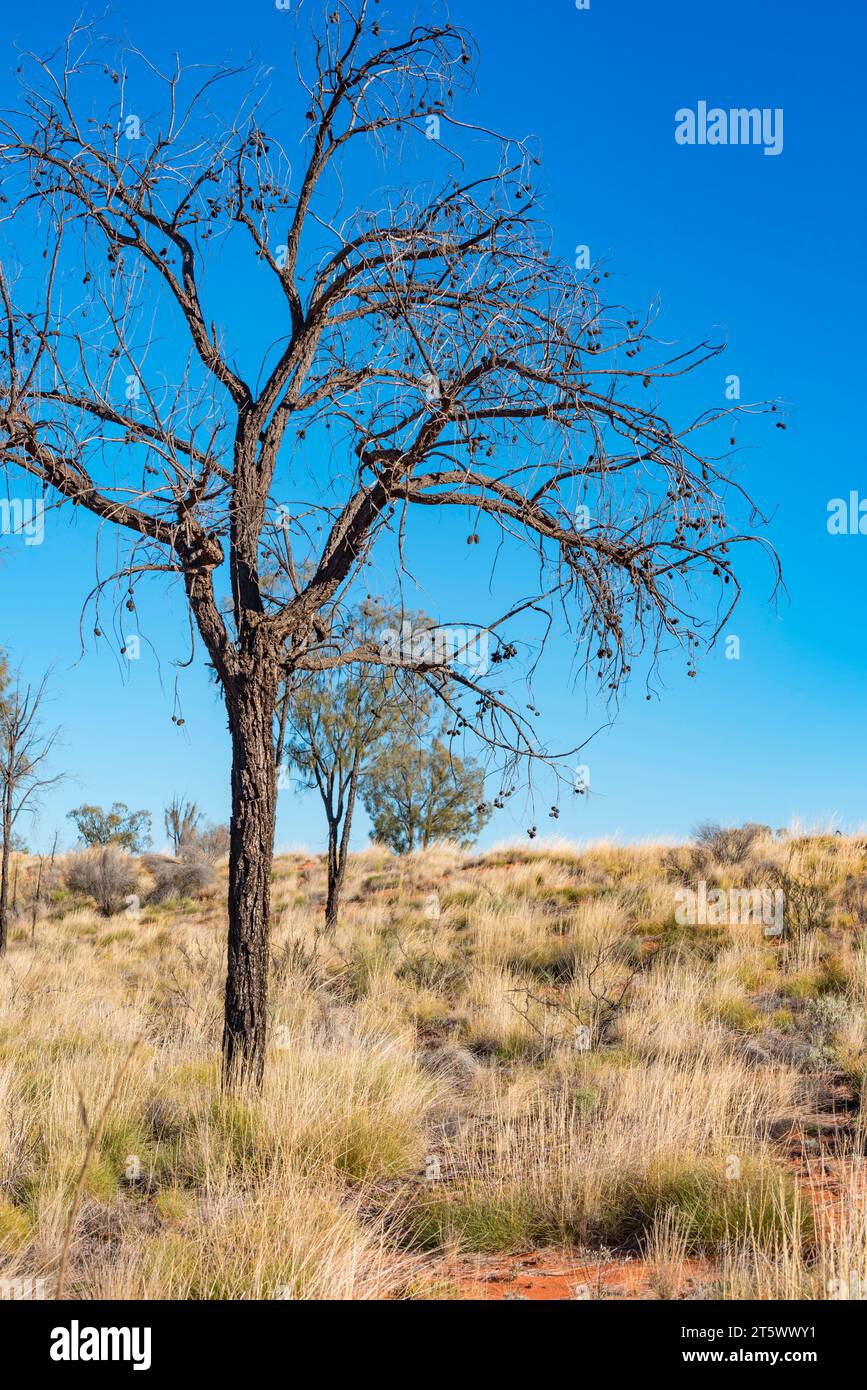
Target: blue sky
[766,251]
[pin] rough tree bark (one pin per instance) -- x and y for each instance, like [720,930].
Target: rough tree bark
[251,706]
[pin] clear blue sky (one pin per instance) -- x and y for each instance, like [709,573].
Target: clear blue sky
[767,251]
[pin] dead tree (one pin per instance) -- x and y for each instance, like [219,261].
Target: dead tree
[182,819]
[425,351]
[24,750]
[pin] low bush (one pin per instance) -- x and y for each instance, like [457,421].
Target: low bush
[179,878]
[106,875]
[729,844]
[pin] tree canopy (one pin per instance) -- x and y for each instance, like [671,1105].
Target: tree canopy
[417,791]
[130,830]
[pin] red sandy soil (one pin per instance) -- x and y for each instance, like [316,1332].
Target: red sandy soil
[833,1184]
[552,1276]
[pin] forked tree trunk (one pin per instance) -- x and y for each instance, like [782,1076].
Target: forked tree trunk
[251,708]
[338,853]
[332,905]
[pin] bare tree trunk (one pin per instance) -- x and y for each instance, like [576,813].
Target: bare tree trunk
[251,853]
[36,899]
[338,854]
[4,867]
[332,904]
[4,896]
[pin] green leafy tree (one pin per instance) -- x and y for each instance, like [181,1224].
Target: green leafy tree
[417,791]
[337,725]
[130,830]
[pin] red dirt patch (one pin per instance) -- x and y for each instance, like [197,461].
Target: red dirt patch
[552,1276]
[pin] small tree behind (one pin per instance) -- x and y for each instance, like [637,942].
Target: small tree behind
[182,821]
[417,792]
[337,725]
[24,752]
[130,830]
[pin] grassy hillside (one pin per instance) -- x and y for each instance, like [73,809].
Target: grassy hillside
[504,1070]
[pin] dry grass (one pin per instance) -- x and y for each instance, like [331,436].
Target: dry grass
[446,1083]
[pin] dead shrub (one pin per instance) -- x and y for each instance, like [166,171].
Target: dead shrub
[106,875]
[179,878]
[728,844]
